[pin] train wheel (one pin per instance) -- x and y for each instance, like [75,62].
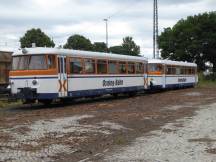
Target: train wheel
[115,95]
[132,94]
[46,102]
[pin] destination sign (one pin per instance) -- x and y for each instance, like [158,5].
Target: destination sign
[112,83]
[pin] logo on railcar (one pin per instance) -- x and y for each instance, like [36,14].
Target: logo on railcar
[112,83]
[182,80]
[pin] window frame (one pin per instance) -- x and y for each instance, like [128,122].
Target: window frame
[131,63]
[126,67]
[95,64]
[116,69]
[69,67]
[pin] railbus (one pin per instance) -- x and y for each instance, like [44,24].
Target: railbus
[166,74]
[47,74]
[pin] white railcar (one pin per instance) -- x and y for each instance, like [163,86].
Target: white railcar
[46,74]
[166,74]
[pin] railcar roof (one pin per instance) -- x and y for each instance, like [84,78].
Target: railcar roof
[169,62]
[76,53]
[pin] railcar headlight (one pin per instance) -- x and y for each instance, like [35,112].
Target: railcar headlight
[11,83]
[34,82]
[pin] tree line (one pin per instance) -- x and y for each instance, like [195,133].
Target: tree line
[79,42]
[192,39]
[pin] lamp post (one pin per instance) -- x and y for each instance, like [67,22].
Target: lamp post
[106,21]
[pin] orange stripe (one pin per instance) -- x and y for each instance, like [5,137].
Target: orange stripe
[60,86]
[65,85]
[154,72]
[33,72]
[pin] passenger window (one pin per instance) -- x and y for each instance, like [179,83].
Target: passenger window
[139,68]
[174,70]
[51,62]
[169,70]
[131,68]
[89,65]
[182,70]
[178,70]
[122,68]
[101,66]
[112,66]
[76,66]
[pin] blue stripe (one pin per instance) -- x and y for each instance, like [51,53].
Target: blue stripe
[179,85]
[95,92]
[47,96]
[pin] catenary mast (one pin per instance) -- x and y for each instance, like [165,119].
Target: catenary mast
[155,30]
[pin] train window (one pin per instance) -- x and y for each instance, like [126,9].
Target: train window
[169,70]
[193,71]
[187,70]
[155,68]
[112,66]
[37,62]
[20,63]
[89,65]
[122,68]
[51,62]
[182,70]
[15,63]
[151,67]
[178,70]
[139,68]
[76,66]
[173,70]
[101,66]
[131,68]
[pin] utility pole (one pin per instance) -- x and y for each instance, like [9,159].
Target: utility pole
[155,30]
[106,21]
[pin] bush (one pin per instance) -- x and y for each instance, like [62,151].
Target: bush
[210,77]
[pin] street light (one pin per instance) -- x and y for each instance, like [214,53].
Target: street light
[106,21]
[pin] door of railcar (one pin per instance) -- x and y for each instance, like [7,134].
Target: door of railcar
[62,77]
[164,76]
[145,75]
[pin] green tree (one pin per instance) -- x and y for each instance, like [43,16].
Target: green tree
[78,42]
[36,36]
[193,40]
[128,47]
[117,50]
[100,47]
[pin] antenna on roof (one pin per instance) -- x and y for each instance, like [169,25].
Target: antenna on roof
[33,45]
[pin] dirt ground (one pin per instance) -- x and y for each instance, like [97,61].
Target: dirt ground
[176,125]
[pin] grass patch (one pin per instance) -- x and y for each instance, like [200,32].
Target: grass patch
[120,140]
[207,81]
[4,104]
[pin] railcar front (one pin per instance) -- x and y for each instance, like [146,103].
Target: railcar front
[166,74]
[34,76]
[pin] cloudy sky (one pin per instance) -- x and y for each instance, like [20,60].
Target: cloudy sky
[62,18]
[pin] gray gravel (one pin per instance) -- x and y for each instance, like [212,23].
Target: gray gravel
[180,144]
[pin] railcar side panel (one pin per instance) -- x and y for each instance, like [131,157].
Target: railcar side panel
[81,85]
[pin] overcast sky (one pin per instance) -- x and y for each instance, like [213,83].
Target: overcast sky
[62,18]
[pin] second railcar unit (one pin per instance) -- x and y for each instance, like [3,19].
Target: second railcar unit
[166,74]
